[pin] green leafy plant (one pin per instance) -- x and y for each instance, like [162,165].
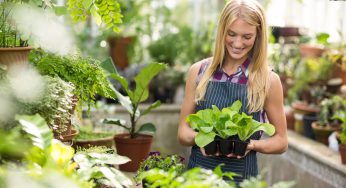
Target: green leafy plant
[330,106]
[310,71]
[95,164]
[85,74]
[193,178]
[87,133]
[136,96]
[55,105]
[341,115]
[225,123]
[155,160]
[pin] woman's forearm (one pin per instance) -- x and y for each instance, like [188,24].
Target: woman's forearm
[272,145]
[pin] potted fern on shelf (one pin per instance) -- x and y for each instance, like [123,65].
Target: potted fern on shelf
[225,129]
[135,144]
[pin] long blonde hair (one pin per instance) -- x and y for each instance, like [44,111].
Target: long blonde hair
[258,80]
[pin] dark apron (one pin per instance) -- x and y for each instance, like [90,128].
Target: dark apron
[223,94]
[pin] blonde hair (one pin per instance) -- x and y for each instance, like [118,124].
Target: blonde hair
[258,80]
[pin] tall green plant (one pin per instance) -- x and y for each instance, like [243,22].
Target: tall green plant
[136,96]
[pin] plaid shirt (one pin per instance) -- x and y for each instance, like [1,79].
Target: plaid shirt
[240,77]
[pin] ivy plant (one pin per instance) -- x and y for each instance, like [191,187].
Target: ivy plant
[225,123]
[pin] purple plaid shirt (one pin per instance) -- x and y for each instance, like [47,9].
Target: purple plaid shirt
[240,77]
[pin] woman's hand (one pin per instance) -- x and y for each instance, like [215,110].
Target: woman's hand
[250,146]
[204,154]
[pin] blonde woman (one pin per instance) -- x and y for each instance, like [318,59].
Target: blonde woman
[237,71]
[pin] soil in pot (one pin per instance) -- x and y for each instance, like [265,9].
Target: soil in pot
[239,147]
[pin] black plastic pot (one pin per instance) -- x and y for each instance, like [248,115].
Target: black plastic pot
[211,148]
[307,120]
[225,146]
[239,147]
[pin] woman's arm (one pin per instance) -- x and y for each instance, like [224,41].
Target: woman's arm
[186,135]
[274,109]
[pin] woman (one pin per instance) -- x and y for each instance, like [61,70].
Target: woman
[237,71]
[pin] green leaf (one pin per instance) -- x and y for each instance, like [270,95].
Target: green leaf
[143,79]
[151,107]
[108,66]
[236,106]
[87,3]
[114,121]
[206,129]
[112,175]
[123,83]
[217,170]
[60,10]
[94,13]
[195,121]
[36,126]
[127,103]
[106,158]
[203,139]
[147,127]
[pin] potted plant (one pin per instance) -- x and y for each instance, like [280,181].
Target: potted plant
[134,144]
[155,160]
[233,128]
[88,137]
[53,100]
[315,47]
[341,115]
[13,49]
[96,164]
[326,124]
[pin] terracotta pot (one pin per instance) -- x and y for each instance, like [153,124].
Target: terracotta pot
[342,150]
[137,149]
[311,51]
[118,51]
[322,132]
[301,109]
[16,55]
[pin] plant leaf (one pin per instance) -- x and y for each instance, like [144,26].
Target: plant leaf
[108,66]
[147,127]
[143,79]
[203,139]
[37,128]
[123,83]
[127,103]
[236,106]
[151,107]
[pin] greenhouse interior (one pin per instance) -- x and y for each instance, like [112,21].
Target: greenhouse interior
[173,93]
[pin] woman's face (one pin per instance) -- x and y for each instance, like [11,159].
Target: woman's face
[240,38]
